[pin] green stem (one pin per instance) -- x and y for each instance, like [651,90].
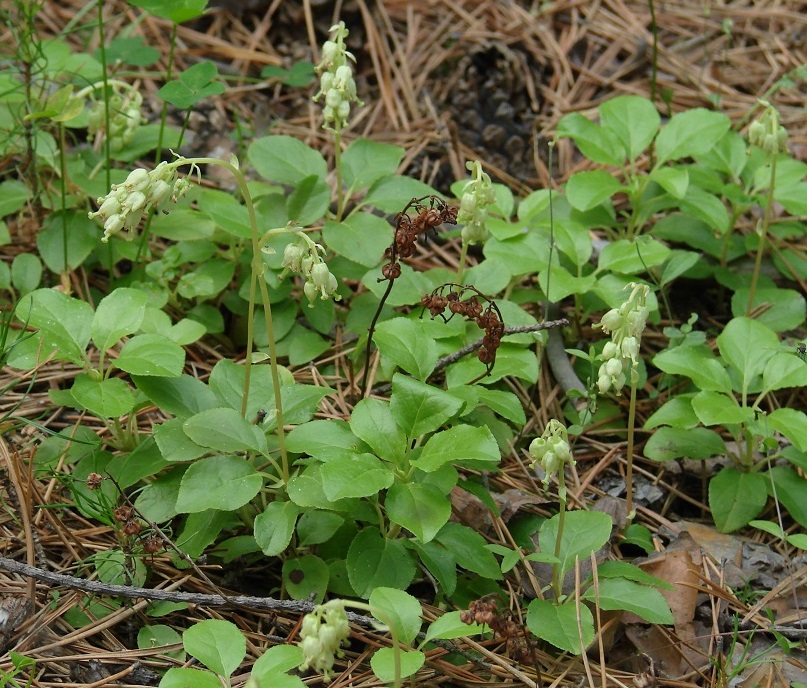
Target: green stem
[164,111]
[396,645]
[337,161]
[257,271]
[761,248]
[107,143]
[463,258]
[557,583]
[629,470]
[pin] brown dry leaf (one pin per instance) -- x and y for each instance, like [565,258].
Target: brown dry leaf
[673,655]
[468,508]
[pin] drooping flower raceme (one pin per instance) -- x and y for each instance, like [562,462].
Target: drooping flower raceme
[551,449]
[337,86]
[304,257]
[766,131]
[621,355]
[323,632]
[477,195]
[126,204]
[125,116]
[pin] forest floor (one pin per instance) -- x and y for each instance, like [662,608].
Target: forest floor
[449,81]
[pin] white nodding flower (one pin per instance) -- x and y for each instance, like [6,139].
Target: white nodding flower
[323,632]
[477,196]
[551,449]
[304,257]
[122,209]
[336,80]
[620,356]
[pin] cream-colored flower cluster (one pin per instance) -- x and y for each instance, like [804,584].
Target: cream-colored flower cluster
[551,449]
[766,132]
[621,355]
[126,204]
[304,257]
[477,195]
[321,637]
[336,80]
[125,116]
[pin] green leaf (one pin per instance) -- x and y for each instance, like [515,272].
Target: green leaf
[362,238]
[715,408]
[792,424]
[623,569]
[674,180]
[182,396]
[407,344]
[558,624]
[735,498]
[65,322]
[324,439]
[206,280]
[383,663]
[176,11]
[399,610]
[355,475]
[182,677]
[469,549]
[273,664]
[779,309]
[504,404]
[677,412]
[306,577]
[677,264]
[584,532]
[225,430]
[784,370]
[747,345]
[151,354]
[316,527]
[632,257]
[274,526]
[118,314]
[158,635]
[673,443]
[366,161]
[597,143]
[708,207]
[633,120]
[110,398]
[194,84]
[217,644]
[697,363]
[690,133]
[450,626]
[418,507]
[309,201]
[440,563]
[307,490]
[13,196]
[82,237]
[391,193]
[373,422]
[790,491]
[459,444]
[419,408]
[26,272]
[285,159]
[218,482]
[620,593]
[374,561]
[587,190]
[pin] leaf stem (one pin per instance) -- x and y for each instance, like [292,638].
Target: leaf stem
[629,452]
[762,234]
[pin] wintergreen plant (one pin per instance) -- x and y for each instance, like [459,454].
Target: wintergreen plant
[477,196]
[304,258]
[620,356]
[338,90]
[123,103]
[322,635]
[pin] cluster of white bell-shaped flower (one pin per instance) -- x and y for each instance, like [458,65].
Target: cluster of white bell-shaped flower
[125,103]
[336,80]
[304,257]
[551,449]
[126,204]
[766,132]
[621,355]
[477,195]
[323,632]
